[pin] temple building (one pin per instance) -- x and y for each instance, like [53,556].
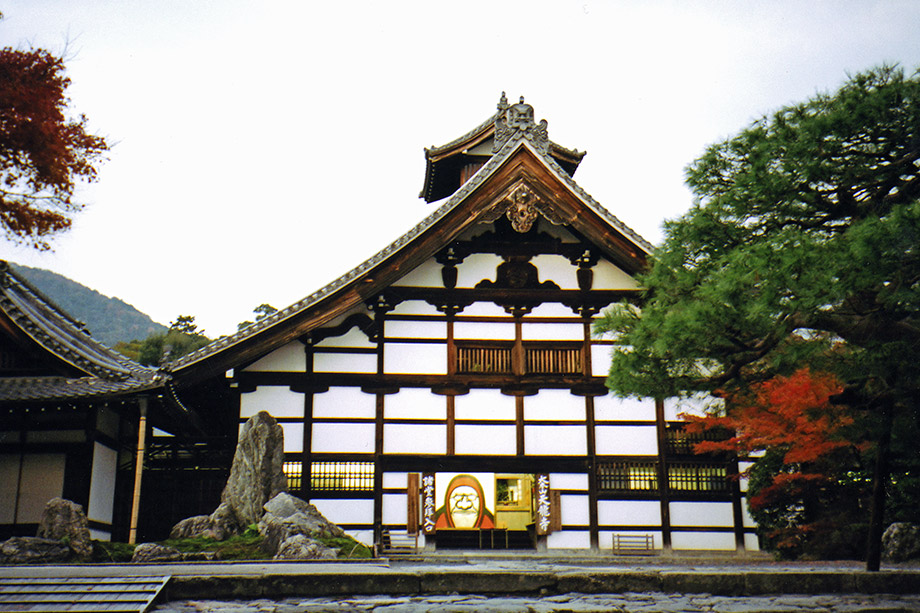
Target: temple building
[451,385]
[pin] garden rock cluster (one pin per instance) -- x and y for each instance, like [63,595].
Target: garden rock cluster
[901,542]
[255,496]
[63,536]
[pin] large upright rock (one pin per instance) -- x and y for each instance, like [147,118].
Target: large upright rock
[257,474]
[901,542]
[64,521]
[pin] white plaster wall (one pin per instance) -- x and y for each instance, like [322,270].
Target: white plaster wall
[100,535]
[717,514]
[351,511]
[362,536]
[345,402]
[415,307]
[612,408]
[609,276]
[276,400]
[477,267]
[415,403]
[287,358]
[42,480]
[395,481]
[415,359]
[713,541]
[575,510]
[746,520]
[605,537]
[569,539]
[365,363]
[394,509]
[626,440]
[353,338]
[555,440]
[551,404]
[695,405]
[102,485]
[485,440]
[744,481]
[484,309]
[552,332]
[568,481]
[484,404]
[600,359]
[557,269]
[428,274]
[293,437]
[415,438]
[415,329]
[551,309]
[343,438]
[482,330]
[628,513]
[751,542]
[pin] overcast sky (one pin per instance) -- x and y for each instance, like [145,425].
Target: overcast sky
[264,148]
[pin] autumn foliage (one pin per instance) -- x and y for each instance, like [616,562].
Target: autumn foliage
[43,152]
[801,488]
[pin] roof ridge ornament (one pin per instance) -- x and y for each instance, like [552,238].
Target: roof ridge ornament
[515,119]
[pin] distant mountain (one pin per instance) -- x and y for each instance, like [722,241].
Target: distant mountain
[110,320]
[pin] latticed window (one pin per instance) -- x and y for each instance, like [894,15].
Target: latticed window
[627,477]
[294,473]
[698,477]
[342,476]
[482,359]
[681,442]
[553,360]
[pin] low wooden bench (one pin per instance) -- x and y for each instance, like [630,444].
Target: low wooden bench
[396,543]
[633,544]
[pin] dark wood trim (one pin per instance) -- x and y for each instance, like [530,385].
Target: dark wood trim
[451,426]
[592,472]
[519,425]
[663,480]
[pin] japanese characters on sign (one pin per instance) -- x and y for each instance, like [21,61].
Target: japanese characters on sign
[428,504]
[543,518]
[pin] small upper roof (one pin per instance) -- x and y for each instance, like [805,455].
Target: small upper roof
[524,158]
[60,359]
[444,164]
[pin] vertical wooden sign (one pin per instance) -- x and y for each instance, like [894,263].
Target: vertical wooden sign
[543,517]
[555,511]
[412,494]
[428,503]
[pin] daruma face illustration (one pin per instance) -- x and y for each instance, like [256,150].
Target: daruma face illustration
[463,502]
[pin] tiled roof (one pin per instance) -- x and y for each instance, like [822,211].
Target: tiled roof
[107,371]
[520,140]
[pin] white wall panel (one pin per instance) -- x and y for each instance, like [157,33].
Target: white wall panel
[751,542]
[600,360]
[100,535]
[102,485]
[415,359]
[569,539]
[276,400]
[293,437]
[394,509]
[343,438]
[568,481]
[362,536]
[554,405]
[415,307]
[415,329]
[42,480]
[484,309]
[612,408]
[344,402]
[287,358]
[484,404]
[746,520]
[557,269]
[608,276]
[350,511]
[415,438]
[552,332]
[702,514]
[415,403]
[365,363]
[626,440]
[353,338]
[628,513]
[481,330]
[477,267]
[695,405]
[485,440]
[555,440]
[712,541]
[575,510]
[426,275]
[551,309]
[395,481]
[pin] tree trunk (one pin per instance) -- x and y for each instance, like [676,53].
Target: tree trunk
[880,476]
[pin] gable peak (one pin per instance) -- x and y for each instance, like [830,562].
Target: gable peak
[518,119]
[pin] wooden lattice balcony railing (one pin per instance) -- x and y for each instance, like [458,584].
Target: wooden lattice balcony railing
[627,476]
[499,357]
[484,359]
[340,476]
[693,477]
[553,360]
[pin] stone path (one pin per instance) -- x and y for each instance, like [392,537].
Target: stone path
[575,603]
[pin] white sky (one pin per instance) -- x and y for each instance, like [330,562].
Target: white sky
[263,148]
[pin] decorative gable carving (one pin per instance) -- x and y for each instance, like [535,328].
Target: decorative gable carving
[521,205]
